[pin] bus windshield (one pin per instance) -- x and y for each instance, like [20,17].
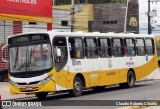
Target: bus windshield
[30,58]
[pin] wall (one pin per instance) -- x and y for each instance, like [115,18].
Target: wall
[61,15]
[105,14]
[81,18]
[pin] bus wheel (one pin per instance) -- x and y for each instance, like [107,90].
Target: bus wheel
[77,87]
[130,81]
[41,95]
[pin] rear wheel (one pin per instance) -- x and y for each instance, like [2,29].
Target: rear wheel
[77,87]
[130,81]
[41,95]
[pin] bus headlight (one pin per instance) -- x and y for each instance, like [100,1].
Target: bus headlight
[13,83]
[46,79]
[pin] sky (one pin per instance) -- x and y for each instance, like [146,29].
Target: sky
[143,19]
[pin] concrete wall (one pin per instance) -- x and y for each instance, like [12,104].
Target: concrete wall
[111,17]
[109,12]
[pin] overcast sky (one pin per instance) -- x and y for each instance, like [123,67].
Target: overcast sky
[143,9]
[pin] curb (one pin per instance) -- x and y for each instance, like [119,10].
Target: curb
[147,80]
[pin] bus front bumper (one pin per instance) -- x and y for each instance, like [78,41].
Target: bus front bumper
[46,87]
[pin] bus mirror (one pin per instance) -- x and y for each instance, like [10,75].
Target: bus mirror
[58,52]
[4,53]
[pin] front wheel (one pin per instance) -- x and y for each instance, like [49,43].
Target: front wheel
[77,87]
[41,95]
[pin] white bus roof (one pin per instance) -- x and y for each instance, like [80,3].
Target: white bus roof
[94,34]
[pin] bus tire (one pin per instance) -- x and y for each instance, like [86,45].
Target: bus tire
[130,80]
[77,87]
[41,95]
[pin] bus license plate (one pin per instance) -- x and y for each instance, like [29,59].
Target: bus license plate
[29,88]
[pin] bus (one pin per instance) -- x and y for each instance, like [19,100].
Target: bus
[47,62]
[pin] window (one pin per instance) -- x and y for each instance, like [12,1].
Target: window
[109,22]
[91,47]
[64,23]
[32,23]
[104,47]
[140,47]
[76,47]
[130,47]
[60,42]
[149,46]
[118,49]
[115,21]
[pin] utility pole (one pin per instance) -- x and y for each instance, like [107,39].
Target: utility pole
[149,18]
[72,16]
[125,22]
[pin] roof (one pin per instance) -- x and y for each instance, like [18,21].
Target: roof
[91,34]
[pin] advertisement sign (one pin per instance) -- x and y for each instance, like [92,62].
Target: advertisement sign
[22,10]
[133,17]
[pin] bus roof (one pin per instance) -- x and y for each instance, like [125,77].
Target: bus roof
[90,34]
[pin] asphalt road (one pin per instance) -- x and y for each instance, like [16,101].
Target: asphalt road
[149,90]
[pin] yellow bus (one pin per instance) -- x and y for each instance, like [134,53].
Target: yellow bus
[45,62]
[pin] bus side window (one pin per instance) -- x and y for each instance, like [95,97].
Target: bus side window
[140,47]
[129,47]
[91,48]
[117,47]
[149,46]
[104,47]
[76,47]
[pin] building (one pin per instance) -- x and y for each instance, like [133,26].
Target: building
[108,18]
[62,17]
[111,17]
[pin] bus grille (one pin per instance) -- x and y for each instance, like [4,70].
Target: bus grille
[31,83]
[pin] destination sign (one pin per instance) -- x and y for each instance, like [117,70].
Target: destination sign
[28,38]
